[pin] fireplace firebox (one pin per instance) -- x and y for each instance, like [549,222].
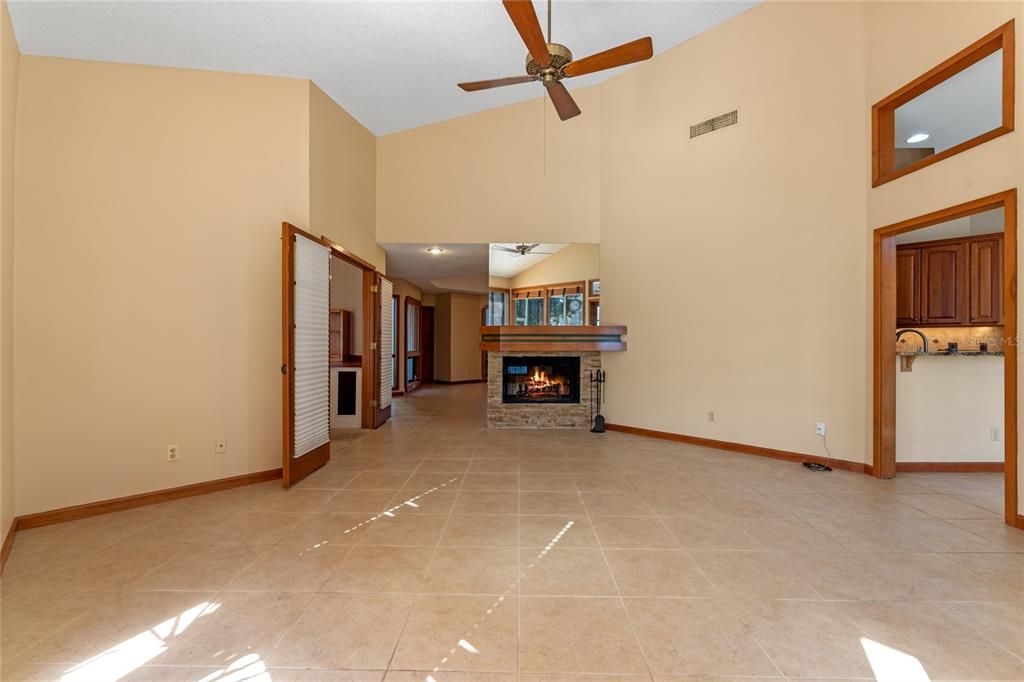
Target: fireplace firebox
[540,379]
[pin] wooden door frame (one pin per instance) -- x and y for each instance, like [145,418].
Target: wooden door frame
[370,359]
[410,386]
[884,327]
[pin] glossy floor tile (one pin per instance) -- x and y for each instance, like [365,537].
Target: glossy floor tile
[435,550]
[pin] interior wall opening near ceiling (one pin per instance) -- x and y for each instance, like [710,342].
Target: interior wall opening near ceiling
[544,284]
[442,291]
[966,100]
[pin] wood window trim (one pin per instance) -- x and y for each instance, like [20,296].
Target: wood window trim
[884,326]
[543,292]
[883,113]
[410,386]
[396,302]
[508,302]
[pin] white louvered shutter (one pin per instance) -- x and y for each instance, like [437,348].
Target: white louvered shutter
[387,340]
[311,372]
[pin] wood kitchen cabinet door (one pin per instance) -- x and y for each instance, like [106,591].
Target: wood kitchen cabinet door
[985,280]
[908,287]
[943,284]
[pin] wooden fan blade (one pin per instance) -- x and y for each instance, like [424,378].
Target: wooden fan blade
[524,17]
[636,51]
[565,105]
[496,83]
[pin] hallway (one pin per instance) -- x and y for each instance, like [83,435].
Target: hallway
[434,549]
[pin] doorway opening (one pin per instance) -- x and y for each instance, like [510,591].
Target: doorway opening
[948,282]
[332,355]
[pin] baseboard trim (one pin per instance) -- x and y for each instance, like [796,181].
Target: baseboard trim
[463,381]
[742,448]
[5,550]
[82,511]
[1019,523]
[951,467]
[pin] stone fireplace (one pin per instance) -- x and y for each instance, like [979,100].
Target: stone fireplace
[538,377]
[534,379]
[550,390]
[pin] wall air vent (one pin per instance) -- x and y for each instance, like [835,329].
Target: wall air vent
[713,124]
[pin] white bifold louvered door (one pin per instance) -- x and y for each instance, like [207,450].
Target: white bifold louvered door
[387,340]
[306,320]
[311,300]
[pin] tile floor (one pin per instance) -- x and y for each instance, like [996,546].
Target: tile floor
[529,557]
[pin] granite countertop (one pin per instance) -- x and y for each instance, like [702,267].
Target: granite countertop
[971,353]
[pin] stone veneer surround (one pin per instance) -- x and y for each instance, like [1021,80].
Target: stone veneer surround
[541,415]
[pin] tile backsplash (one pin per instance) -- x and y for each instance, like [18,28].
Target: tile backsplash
[967,338]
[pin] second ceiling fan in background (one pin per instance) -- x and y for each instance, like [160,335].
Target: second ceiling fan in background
[549,62]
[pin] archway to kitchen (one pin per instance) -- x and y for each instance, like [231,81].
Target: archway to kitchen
[972,284]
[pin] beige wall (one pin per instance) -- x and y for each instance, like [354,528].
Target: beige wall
[515,173]
[739,259]
[457,337]
[148,214]
[10,58]
[946,408]
[443,337]
[347,294]
[989,168]
[342,178]
[499,282]
[575,262]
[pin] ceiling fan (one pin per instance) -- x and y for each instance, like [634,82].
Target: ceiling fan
[521,249]
[550,62]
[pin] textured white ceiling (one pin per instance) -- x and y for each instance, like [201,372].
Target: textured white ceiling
[393,65]
[505,264]
[964,106]
[461,268]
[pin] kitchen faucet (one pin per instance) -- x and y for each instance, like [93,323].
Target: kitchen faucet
[924,339]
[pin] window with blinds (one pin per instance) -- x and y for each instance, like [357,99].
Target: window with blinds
[311,374]
[528,307]
[565,305]
[496,303]
[412,327]
[387,340]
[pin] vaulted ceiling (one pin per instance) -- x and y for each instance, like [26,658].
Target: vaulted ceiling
[392,65]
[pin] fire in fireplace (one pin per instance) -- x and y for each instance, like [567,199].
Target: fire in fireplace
[540,379]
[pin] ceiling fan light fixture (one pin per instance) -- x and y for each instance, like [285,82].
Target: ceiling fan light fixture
[917,137]
[435,250]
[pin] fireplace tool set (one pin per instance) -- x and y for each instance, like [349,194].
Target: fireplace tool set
[597,380]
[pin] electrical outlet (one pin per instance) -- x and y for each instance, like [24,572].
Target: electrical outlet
[220,446]
[994,434]
[820,429]
[173,454]
[711,416]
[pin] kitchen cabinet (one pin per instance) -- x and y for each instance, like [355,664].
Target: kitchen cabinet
[950,282]
[908,289]
[943,284]
[985,281]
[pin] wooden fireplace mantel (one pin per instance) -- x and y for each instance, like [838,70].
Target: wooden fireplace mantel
[553,338]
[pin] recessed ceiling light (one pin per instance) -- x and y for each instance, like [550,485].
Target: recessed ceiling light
[435,250]
[917,137]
